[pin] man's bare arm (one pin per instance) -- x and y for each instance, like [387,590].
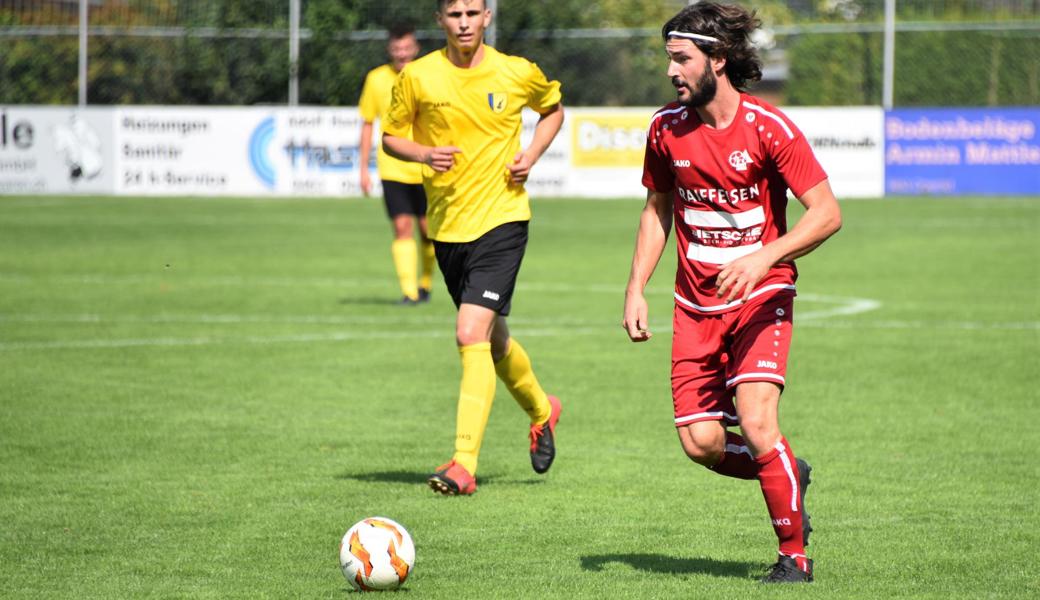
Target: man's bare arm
[655,223]
[821,220]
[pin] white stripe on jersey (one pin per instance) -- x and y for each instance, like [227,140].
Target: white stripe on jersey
[776,118]
[662,113]
[712,218]
[725,415]
[719,256]
[739,378]
[709,309]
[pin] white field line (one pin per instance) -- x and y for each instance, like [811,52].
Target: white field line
[173,277]
[562,326]
[204,319]
[275,339]
[445,332]
[377,325]
[935,325]
[844,307]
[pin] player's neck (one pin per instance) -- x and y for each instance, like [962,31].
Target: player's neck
[720,112]
[463,59]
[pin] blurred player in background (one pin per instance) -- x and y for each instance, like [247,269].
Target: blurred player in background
[719,162]
[402,181]
[462,104]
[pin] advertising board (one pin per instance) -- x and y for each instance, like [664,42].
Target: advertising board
[55,150]
[278,151]
[962,151]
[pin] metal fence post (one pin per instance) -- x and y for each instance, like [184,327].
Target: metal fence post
[888,77]
[294,52]
[83,6]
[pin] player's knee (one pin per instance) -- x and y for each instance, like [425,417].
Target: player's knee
[761,434]
[468,334]
[702,449]
[403,227]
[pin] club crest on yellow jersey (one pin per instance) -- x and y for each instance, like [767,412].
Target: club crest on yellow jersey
[497,101]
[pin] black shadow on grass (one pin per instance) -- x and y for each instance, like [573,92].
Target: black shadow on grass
[370,301]
[659,563]
[412,477]
[349,590]
[409,477]
[511,480]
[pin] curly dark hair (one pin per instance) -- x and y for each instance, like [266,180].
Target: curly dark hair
[732,25]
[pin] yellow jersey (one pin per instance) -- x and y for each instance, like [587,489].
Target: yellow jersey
[375,99]
[478,110]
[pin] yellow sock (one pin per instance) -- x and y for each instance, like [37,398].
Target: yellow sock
[428,258]
[476,393]
[405,258]
[515,371]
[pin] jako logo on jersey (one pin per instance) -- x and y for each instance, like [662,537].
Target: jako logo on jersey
[740,159]
[784,521]
[766,364]
[497,101]
[681,163]
[491,295]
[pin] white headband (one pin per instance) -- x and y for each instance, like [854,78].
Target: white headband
[693,36]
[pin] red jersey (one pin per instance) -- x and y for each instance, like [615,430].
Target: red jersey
[730,192]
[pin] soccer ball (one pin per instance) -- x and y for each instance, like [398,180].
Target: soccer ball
[376,554]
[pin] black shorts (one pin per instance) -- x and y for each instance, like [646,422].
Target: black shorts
[404,199]
[484,271]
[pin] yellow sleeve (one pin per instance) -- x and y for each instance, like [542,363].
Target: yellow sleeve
[368,105]
[542,94]
[403,107]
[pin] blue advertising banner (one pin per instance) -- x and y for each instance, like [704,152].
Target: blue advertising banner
[962,151]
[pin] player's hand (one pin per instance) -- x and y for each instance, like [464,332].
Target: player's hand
[634,322]
[738,279]
[366,182]
[520,168]
[442,158]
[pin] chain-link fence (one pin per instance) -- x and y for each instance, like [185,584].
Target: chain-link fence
[237,52]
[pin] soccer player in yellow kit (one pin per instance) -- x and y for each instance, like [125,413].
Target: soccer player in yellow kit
[462,105]
[402,181]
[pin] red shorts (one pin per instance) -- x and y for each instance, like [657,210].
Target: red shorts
[711,354]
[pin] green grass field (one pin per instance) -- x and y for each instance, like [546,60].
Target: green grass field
[199,396]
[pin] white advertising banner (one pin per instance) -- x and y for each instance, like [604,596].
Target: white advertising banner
[55,150]
[599,151]
[274,151]
[850,145]
[597,154]
[185,151]
[310,152]
[238,151]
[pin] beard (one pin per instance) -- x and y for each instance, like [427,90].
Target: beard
[703,91]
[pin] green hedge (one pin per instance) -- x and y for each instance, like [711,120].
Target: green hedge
[932,69]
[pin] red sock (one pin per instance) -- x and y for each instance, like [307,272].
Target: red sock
[736,459]
[779,480]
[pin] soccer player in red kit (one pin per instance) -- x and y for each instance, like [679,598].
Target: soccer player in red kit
[719,162]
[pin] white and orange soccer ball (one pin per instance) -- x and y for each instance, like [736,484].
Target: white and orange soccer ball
[376,554]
